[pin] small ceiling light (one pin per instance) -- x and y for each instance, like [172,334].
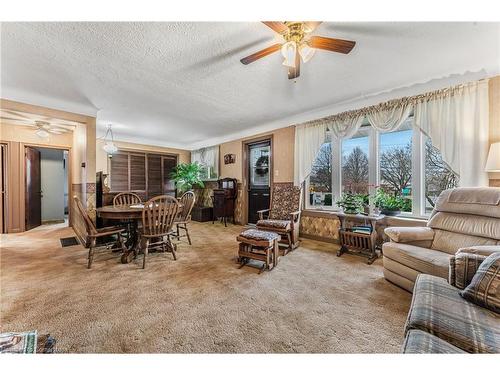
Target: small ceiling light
[288,50]
[42,133]
[306,52]
[109,146]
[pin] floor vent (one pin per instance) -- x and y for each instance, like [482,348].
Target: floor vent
[69,241]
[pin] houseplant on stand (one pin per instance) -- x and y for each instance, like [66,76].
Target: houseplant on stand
[350,203]
[391,205]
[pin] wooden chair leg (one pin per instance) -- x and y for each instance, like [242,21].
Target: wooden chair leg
[174,248]
[90,257]
[145,254]
[187,233]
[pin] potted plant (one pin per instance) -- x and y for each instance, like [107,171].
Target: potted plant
[350,203]
[391,205]
[187,175]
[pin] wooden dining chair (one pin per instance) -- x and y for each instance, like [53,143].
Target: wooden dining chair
[158,217]
[187,201]
[126,198]
[99,239]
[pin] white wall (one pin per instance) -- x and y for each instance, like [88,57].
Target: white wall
[53,181]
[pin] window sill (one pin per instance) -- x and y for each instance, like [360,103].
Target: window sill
[332,212]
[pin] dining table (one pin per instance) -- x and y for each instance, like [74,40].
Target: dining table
[129,215]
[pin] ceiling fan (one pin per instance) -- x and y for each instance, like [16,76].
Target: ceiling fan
[43,126]
[298,44]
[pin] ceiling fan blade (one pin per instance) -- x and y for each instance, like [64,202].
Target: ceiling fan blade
[260,54]
[58,130]
[310,26]
[277,26]
[295,72]
[331,44]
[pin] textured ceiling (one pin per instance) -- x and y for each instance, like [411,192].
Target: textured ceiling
[182,84]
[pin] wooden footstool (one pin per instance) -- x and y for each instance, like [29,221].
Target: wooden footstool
[258,245]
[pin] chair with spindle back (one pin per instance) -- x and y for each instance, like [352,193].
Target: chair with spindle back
[126,198]
[158,217]
[187,201]
[94,234]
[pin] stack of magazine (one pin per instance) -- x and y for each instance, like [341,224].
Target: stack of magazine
[364,229]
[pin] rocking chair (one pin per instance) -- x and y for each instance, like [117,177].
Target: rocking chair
[283,217]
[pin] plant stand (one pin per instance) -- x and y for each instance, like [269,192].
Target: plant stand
[358,243]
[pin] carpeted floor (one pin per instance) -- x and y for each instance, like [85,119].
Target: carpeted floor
[312,302]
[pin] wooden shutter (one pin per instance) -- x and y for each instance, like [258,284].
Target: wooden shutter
[137,172]
[169,163]
[119,172]
[154,176]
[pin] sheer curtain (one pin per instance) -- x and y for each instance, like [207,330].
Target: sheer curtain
[308,141]
[208,157]
[457,124]
[390,119]
[345,127]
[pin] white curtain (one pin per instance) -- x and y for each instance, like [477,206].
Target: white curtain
[458,127]
[343,128]
[387,120]
[208,157]
[308,141]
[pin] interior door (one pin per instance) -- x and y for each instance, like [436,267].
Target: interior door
[33,199]
[3,189]
[259,178]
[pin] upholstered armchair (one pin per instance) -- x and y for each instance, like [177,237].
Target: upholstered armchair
[283,217]
[465,219]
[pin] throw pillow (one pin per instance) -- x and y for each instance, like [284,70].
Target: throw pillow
[484,289]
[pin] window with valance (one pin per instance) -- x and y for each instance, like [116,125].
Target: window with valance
[411,147]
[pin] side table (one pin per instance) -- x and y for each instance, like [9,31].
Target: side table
[357,242]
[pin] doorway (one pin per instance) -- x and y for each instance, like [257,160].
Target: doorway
[46,186]
[3,188]
[259,178]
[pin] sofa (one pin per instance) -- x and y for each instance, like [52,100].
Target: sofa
[440,320]
[462,217]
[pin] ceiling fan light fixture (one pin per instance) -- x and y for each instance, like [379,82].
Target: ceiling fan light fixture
[288,50]
[306,52]
[42,133]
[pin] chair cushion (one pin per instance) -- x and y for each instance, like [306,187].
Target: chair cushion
[421,342]
[438,309]
[274,224]
[258,235]
[484,289]
[423,260]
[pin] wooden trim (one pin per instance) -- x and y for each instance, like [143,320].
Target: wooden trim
[44,111]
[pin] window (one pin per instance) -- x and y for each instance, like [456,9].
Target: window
[355,161]
[208,158]
[320,182]
[402,163]
[395,163]
[438,176]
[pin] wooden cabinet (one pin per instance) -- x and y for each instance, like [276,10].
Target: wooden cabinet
[224,199]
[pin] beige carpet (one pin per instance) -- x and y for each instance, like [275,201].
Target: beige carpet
[312,302]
